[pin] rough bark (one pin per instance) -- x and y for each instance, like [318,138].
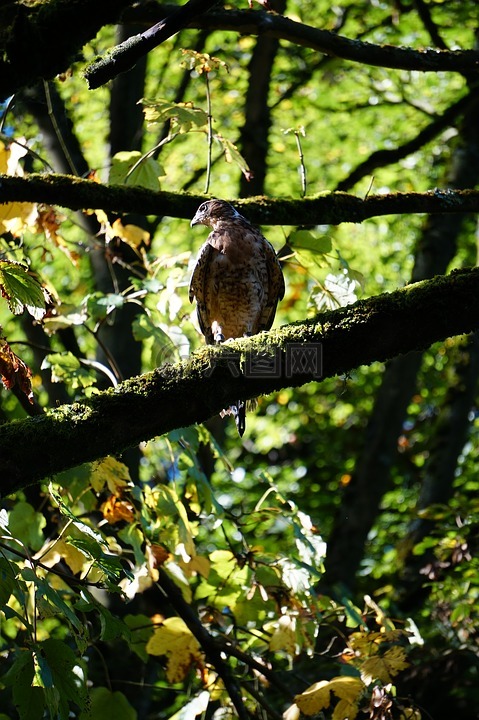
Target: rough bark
[33,39]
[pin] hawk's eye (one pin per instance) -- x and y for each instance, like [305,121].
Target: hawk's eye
[203,208]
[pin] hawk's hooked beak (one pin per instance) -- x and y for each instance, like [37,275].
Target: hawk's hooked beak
[196,220]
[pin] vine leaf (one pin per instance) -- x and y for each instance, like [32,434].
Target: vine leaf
[385,667]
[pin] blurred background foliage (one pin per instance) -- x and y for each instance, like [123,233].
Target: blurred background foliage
[381,466]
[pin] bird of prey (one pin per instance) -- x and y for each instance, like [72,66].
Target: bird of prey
[237,281]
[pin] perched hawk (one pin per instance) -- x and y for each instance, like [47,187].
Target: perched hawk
[237,281]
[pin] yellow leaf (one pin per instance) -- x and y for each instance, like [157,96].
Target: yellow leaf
[3,159]
[284,636]
[317,697]
[62,550]
[347,688]
[131,234]
[385,667]
[75,560]
[215,686]
[17,217]
[181,648]
[345,710]
[198,564]
[112,472]
[292,713]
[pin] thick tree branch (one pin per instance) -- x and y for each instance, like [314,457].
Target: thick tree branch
[125,55]
[259,22]
[40,40]
[194,390]
[325,208]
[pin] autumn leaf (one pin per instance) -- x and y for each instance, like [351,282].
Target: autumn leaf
[17,217]
[182,650]
[111,472]
[233,155]
[384,667]
[318,696]
[62,550]
[201,62]
[284,635]
[14,371]
[115,510]
[132,235]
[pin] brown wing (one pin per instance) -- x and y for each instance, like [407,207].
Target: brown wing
[275,286]
[198,283]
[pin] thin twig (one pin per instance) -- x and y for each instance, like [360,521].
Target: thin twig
[57,130]
[301,162]
[210,133]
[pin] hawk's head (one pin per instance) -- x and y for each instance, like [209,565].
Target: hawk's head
[211,211]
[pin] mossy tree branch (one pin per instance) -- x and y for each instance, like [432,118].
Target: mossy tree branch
[125,55]
[325,208]
[192,391]
[41,40]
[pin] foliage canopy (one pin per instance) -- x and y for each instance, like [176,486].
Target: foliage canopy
[152,566]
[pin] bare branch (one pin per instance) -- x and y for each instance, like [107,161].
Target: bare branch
[383,157]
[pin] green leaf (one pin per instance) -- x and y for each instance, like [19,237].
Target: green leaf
[42,674]
[26,525]
[46,592]
[306,240]
[67,683]
[66,368]
[107,705]
[232,154]
[183,116]
[132,168]
[108,564]
[29,700]
[163,349]
[141,629]
[21,290]
[99,305]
